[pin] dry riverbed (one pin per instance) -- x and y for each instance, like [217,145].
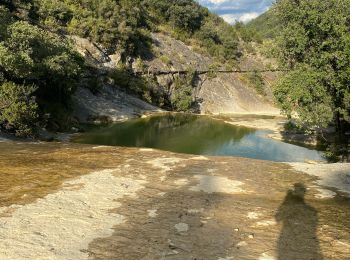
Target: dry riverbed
[67,201]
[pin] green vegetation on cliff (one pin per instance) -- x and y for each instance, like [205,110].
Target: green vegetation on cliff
[40,69]
[37,67]
[266,26]
[194,24]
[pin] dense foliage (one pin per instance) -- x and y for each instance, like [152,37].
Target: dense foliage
[125,24]
[266,26]
[256,80]
[182,14]
[18,107]
[40,69]
[33,62]
[190,21]
[114,24]
[181,99]
[315,46]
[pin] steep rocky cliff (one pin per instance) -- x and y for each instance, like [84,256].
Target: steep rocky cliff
[216,88]
[220,93]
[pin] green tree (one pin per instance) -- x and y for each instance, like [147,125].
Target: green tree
[117,25]
[29,54]
[18,108]
[38,70]
[186,15]
[306,97]
[181,99]
[315,43]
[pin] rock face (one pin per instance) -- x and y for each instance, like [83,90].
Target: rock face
[110,104]
[222,93]
[227,93]
[68,201]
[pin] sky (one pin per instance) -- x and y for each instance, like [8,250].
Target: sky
[241,10]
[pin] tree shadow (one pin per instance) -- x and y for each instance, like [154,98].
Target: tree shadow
[298,237]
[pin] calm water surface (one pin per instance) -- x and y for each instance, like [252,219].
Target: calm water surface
[200,135]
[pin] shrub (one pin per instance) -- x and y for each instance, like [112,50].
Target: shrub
[302,93]
[181,98]
[256,80]
[18,108]
[32,55]
[166,60]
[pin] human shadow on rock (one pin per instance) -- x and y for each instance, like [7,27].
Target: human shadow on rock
[298,238]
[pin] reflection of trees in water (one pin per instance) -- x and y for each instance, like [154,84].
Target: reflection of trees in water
[178,133]
[298,238]
[338,151]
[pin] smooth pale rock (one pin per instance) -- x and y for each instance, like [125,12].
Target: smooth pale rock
[211,184]
[265,256]
[182,227]
[164,164]
[266,223]
[146,150]
[336,175]
[40,230]
[99,147]
[325,194]
[172,252]
[242,243]
[254,215]
[152,213]
[181,182]
[195,211]
[199,158]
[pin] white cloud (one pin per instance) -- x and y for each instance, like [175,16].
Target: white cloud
[230,18]
[245,17]
[241,10]
[217,1]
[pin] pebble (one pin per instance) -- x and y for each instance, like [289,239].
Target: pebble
[181,227]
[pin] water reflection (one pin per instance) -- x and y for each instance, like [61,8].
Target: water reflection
[191,134]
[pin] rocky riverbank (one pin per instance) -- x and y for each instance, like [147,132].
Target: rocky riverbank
[129,203]
[272,122]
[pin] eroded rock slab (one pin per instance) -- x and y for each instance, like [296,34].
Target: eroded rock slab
[61,225]
[75,202]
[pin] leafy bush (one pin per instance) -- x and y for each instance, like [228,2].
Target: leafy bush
[256,80]
[182,14]
[32,55]
[114,24]
[302,93]
[188,20]
[165,59]
[181,99]
[315,45]
[18,108]
[143,86]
